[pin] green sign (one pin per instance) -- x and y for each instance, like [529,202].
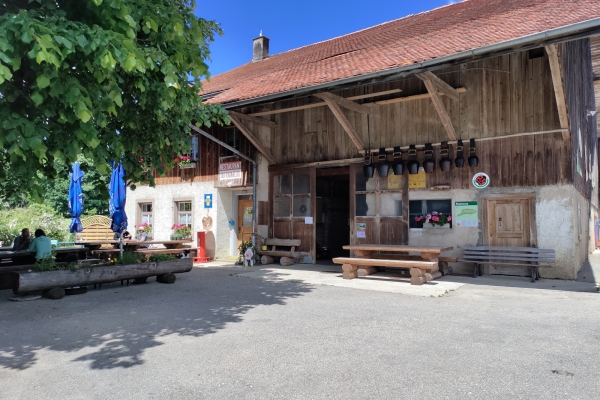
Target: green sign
[466,214]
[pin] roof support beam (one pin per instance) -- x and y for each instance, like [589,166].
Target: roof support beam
[256,120]
[350,105]
[559,89]
[440,85]
[414,97]
[335,109]
[253,139]
[439,105]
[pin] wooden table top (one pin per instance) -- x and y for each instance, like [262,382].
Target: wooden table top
[134,242]
[62,250]
[398,248]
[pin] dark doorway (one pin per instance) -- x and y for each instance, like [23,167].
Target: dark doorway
[332,215]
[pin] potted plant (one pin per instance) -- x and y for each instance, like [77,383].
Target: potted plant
[180,232]
[435,220]
[263,241]
[185,162]
[242,250]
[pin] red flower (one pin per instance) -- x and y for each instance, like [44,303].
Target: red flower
[176,159]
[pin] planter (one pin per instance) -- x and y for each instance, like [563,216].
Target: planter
[180,237]
[27,282]
[263,248]
[187,166]
[429,226]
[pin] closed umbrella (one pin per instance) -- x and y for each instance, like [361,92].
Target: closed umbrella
[75,199]
[116,204]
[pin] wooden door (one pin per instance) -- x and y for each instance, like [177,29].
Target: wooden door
[293,207]
[378,208]
[244,221]
[510,222]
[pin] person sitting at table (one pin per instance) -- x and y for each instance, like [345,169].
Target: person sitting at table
[41,245]
[126,235]
[22,241]
[142,236]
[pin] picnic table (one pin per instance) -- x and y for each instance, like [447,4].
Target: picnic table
[64,250]
[169,244]
[423,268]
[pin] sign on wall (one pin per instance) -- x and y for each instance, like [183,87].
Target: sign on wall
[394,181]
[361,230]
[208,201]
[230,171]
[466,214]
[481,180]
[417,181]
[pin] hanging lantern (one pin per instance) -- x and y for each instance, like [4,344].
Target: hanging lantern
[368,168]
[383,166]
[413,164]
[473,159]
[429,164]
[445,162]
[459,161]
[398,165]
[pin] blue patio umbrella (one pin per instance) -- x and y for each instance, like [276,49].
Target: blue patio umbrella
[75,199]
[117,189]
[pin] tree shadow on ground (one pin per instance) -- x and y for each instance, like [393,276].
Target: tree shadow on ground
[116,325]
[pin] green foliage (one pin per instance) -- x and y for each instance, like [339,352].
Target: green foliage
[103,79]
[130,257]
[161,257]
[47,264]
[32,217]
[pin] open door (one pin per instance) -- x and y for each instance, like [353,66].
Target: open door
[293,207]
[244,221]
[378,208]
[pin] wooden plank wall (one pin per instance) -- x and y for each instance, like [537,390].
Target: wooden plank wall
[207,169]
[595,48]
[505,95]
[576,64]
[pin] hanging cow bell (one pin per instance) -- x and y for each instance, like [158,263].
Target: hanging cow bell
[368,168]
[413,164]
[459,161]
[445,162]
[383,166]
[429,164]
[473,159]
[398,165]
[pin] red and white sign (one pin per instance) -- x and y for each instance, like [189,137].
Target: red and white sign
[230,170]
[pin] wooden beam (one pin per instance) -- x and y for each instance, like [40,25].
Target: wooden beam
[313,105]
[559,89]
[439,106]
[255,120]
[349,104]
[440,85]
[335,109]
[253,140]
[414,97]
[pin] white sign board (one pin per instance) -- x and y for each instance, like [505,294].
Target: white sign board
[230,171]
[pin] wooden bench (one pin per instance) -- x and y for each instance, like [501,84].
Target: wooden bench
[442,260]
[288,256]
[529,257]
[420,271]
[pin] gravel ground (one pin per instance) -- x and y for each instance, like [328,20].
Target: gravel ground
[214,334]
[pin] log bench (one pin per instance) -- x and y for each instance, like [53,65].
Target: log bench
[421,271]
[529,257]
[287,256]
[443,260]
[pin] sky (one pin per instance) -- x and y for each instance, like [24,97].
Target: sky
[290,24]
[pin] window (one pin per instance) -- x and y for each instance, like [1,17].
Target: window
[292,195]
[145,216]
[184,213]
[194,146]
[233,138]
[423,207]
[378,196]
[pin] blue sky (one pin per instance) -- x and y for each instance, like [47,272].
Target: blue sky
[290,24]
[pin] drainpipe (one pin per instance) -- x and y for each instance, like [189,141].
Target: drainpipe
[228,147]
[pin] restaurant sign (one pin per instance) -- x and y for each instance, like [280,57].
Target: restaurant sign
[230,171]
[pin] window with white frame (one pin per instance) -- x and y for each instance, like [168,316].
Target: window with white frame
[145,213]
[183,213]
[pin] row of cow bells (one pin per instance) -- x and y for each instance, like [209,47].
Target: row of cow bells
[397,165]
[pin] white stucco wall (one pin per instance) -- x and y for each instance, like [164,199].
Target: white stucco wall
[556,223]
[164,197]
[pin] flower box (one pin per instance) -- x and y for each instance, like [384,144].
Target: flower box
[430,226]
[187,166]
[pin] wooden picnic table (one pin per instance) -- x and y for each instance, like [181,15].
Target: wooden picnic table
[63,250]
[169,244]
[423,268]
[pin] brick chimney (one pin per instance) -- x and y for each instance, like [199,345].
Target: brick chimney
[260,48]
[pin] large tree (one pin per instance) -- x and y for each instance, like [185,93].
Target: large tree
[106,79]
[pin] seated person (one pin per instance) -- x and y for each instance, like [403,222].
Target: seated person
[41,245]
[22,241]
[142,236]
[126,235]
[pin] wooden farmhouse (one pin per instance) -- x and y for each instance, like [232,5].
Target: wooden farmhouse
[489,103]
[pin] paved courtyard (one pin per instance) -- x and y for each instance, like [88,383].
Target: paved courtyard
[234,332]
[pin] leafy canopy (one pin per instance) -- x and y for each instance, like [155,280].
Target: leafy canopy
[102,78]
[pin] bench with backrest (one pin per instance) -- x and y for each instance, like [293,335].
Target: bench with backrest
[276,250]
[530,257]
[421,271]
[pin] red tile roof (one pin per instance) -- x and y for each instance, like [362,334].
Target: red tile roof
[444,31]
